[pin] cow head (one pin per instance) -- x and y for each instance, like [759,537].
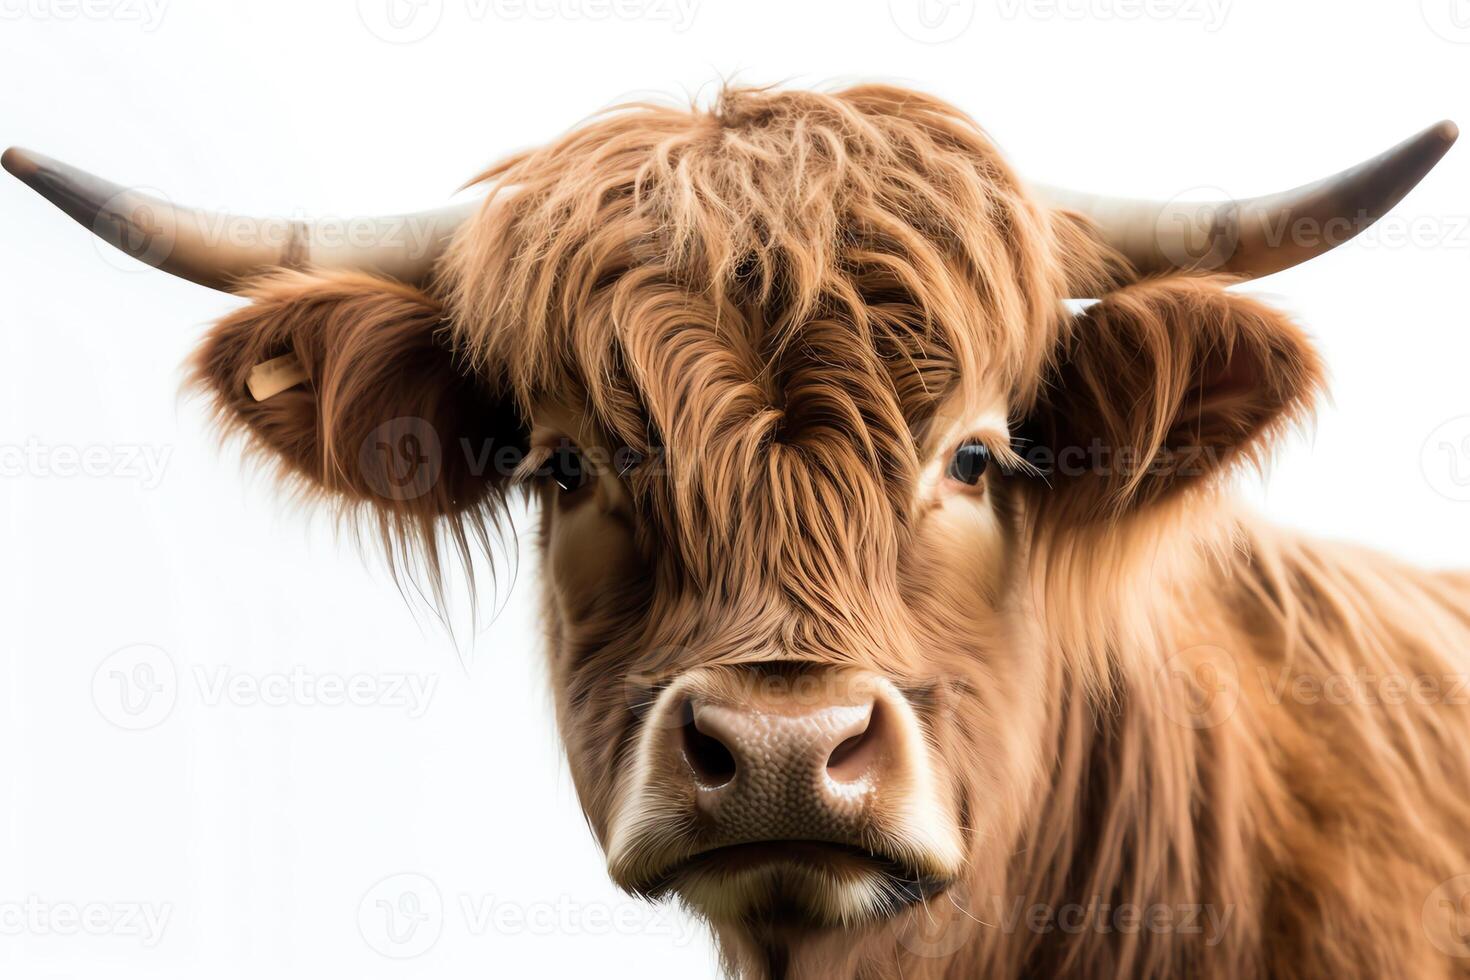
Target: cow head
[828,470]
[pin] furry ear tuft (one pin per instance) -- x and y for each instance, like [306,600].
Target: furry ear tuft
[1164,386]
[387,424]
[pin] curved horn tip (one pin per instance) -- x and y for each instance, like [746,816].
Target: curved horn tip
[18,162]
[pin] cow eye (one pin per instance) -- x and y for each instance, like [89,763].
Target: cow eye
[567,468]
[969,462]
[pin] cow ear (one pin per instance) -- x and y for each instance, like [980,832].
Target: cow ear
[383,418]
[1162,387]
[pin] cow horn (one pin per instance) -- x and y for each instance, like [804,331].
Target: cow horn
[221,250]
[1261,235]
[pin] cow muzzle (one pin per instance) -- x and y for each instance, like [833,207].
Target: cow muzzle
[785,786]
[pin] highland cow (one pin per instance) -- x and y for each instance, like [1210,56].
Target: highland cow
[900,620]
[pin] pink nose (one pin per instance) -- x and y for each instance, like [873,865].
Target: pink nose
[778,769]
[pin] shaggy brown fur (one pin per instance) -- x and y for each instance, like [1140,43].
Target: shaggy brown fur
[783,310]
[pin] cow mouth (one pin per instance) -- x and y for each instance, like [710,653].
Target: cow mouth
[817,882]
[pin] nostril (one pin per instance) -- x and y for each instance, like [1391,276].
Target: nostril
[707,755]
[857,754]
[844,752]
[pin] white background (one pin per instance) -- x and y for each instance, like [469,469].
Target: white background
[262,831]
